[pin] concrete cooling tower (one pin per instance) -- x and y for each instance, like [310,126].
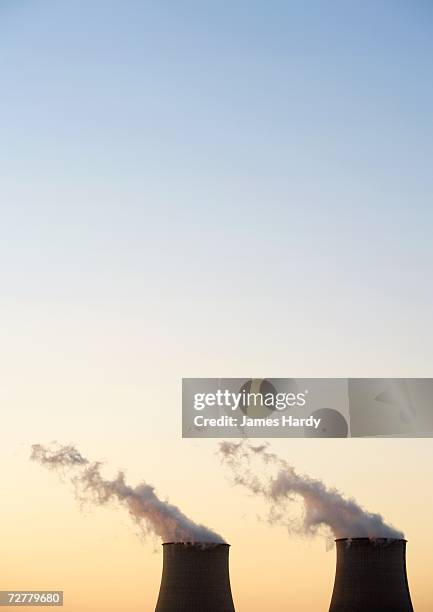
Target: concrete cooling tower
[195,578]
[371,576]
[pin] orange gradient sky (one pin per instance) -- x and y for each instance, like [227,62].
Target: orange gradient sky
[97,383]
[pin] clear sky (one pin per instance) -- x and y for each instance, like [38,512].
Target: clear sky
[207,189]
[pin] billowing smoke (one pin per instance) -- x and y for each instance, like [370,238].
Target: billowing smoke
[151,513]
[322,507]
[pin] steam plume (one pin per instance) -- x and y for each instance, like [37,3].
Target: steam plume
[322,507]
[144,506]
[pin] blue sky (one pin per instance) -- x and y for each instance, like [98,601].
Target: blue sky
[165,149]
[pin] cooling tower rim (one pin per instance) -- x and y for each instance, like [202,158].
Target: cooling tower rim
[196,543]
[370,539]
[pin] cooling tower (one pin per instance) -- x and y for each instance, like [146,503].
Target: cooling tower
[371,576]
[195,578]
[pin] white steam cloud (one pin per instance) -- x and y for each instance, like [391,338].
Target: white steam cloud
[322,507]
[151,513]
